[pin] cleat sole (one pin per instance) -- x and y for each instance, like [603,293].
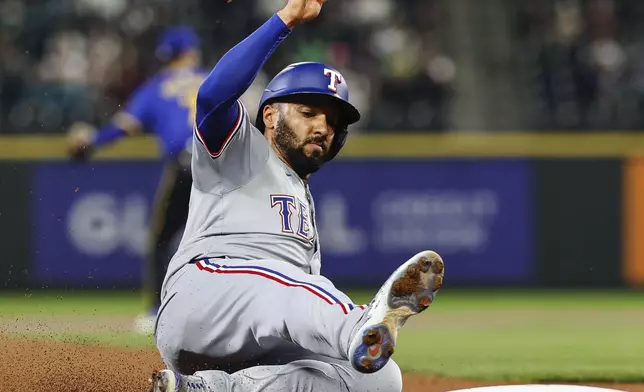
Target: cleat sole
[410,290]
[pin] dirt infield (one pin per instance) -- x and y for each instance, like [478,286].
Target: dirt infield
[49,366]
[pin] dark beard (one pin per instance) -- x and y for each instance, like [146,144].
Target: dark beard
[286,142]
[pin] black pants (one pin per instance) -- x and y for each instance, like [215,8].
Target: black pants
[169,216]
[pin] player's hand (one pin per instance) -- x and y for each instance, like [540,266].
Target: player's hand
[300,11]
[79,139]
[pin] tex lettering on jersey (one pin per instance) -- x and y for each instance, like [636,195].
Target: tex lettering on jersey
[294,215]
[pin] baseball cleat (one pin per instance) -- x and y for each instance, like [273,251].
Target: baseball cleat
[408,291]
[169,381]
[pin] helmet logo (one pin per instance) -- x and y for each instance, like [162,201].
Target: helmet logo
[335,79]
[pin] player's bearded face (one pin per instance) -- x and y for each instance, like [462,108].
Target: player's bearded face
[305,152]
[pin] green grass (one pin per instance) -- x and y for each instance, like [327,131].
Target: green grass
[519,335]
[70,303]
[460,300]
[530,336]
[554,354]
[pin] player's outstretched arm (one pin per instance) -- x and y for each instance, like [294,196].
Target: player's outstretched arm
[83,139]
[217,109]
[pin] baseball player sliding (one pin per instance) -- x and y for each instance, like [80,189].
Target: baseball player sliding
[244,307]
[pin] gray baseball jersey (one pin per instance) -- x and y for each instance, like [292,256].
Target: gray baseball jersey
[249,292]
[247,204]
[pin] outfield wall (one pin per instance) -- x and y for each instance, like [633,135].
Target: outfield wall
[503,209]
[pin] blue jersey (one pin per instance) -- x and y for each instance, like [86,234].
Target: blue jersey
[166,105]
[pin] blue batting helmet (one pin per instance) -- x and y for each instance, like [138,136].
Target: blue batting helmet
[310,78]
[174,41]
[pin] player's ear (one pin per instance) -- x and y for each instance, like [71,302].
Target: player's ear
[270,115]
